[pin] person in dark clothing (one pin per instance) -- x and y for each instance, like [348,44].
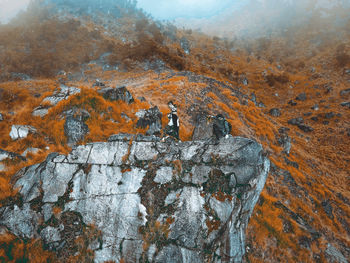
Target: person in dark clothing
[221,127]
[172,129]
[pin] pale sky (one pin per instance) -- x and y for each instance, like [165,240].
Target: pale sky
[159,9]
[171,9]
[9,8]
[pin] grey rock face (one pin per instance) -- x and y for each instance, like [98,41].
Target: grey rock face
[75,129]
[151,200]
[118,93]
[21,131]
[275,112]
[151,118]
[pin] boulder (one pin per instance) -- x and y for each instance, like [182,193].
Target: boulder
[296,121]
[292,103]
[345,104]
[275,112]
[301,97]
[203,128]
[75,129]
[21,131]
[192,196]
[345,92]
[31,151]
[151,118]
[62,93]
[284,140]
[118,93]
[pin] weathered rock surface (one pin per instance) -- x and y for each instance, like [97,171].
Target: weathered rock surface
[62,93]
[21,131]
[75,129]
[151,118]
[118,93]
[152,201]
[275,112]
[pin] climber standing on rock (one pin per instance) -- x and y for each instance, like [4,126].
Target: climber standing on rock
[172,129]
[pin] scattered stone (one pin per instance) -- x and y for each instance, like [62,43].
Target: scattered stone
[284,140]
[291,163]
[315,107]
[334,255]
[41,111]
[142,99]
[62,93]
[125,117]
[325,122]
[347,71]
[328,208]
[345,92]
[244,81]
[296,121]
[292,103]
[118,93]
[253,97]
[21,131]
[300,123]
[275,112]
[314,118]
[307,114]
[305,242]
[31,151]
[305,128]
[98,84]
[151,118]
[1,117]
[287,226]
[345,104]
[301,97]
[75,129]
[329,115]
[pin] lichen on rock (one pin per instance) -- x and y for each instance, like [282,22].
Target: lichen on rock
[150,200]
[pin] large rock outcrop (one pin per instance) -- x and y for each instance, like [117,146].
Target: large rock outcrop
[152,201]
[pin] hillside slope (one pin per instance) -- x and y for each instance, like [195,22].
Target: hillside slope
[294,100]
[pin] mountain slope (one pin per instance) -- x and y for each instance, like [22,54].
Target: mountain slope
[303,212]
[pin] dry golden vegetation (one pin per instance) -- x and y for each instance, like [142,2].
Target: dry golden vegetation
[276,73]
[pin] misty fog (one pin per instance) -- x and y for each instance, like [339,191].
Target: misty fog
[226,18]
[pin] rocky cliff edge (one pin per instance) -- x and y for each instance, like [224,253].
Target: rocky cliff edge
[148,200]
